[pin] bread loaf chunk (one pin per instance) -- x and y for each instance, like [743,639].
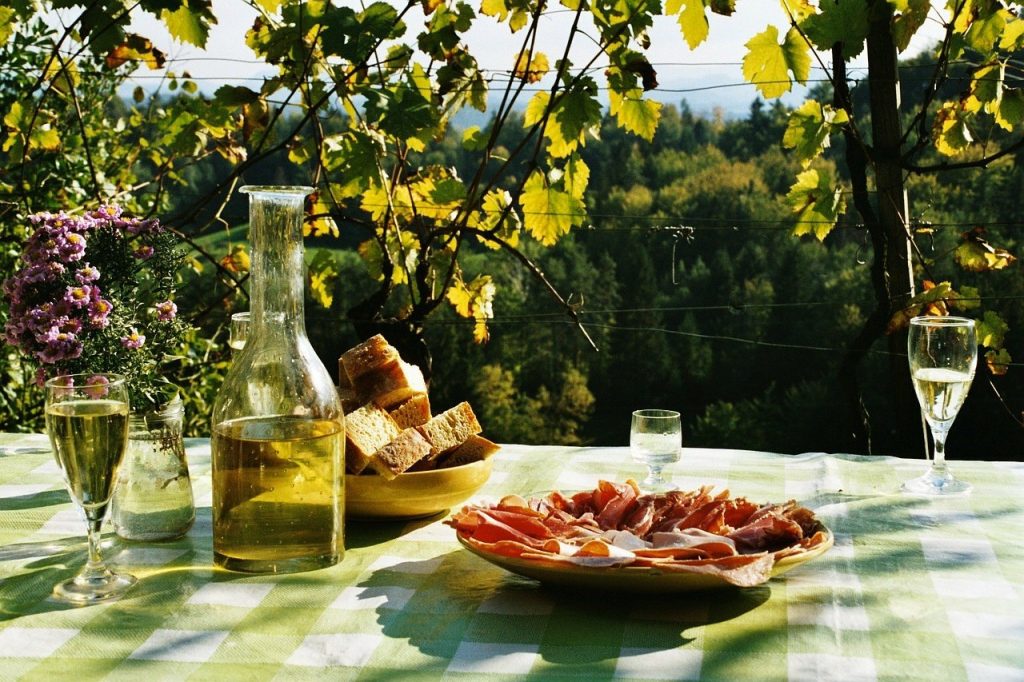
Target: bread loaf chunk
[475,448]
[413,412]
[369,355]
[450,429]
[349,400]
[391,384]
[401,453]
[366,431]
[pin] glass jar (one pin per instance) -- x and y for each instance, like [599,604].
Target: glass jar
[153,498]
[278,428]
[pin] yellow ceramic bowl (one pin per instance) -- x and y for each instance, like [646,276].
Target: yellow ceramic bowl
[413,494]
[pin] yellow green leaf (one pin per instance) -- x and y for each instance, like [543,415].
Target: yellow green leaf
[7,24]
[843,21]
[495,8]
[910,16]
[1013,33]
[323,273]
[693,20]
[531,68]
[497,214]
[950,132]
[998,361]
[977,255]
[809,128]
[968,298]
[932,297]
[816,203]
[44,136]
[237,260]
[548,213]
[987,29]
[768,63]
[474,300]
[991,330]
[188,25]
[1011,110]
[577,176]
[634,113]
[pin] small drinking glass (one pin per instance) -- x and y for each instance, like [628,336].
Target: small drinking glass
[239,331]
[87,421]
[655,439]
[942,352]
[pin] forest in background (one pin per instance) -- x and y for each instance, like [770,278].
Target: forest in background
[698,296]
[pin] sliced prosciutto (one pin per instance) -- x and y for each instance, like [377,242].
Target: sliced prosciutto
[615,526]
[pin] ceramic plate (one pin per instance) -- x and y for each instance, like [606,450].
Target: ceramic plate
[631,578]
[414,494]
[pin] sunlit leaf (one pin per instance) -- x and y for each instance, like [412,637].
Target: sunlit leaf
[577,177]
[237,260]
[987,29]
[910,16]
[969,298]
[998,361]
[768,63]
[548,213]
[531,69]
[474,300]
[474,139]
[932,297]
[135,48]
[816,202]
[975,254]
[1010,113]
[497,214]
[809,128]
[190,23]
[1013,35]
[951,133]
[991,330]
[843,21]
[323,273]
[7,24]
[693,20]
[634,113]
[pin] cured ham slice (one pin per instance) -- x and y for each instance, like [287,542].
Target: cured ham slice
[615,526]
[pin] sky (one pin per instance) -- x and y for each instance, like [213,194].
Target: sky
[708,77]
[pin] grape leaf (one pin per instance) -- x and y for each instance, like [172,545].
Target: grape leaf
[987,85]
[577,176]
[910,16]
[189,24]
[495,8]
[844,21]
[135,48]
[634,113]
[474,139]
[969,298]
[932,297]
[693,21]
[234,95]
[1011,39]
[809,128]
[474,300]
[986,29]
[1011,110]
[531,69]
[975,254]
[950,132]
[237,259]
[577,111]
[323,273]
[768,63]
[7,24]
[548,213]
[991,330]
[998,361]
[816,203]
[496,213]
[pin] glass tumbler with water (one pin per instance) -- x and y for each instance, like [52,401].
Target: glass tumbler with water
[656,440]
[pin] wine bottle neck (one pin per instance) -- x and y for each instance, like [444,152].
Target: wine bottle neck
[278,267]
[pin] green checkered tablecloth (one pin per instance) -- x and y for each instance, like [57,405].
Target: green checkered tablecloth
[913,589]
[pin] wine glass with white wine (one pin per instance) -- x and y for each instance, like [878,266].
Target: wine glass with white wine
[87,421]
[943,352]
[655,439]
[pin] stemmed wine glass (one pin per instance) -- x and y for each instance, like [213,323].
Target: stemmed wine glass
[942,352]
[87,421]
[655,439]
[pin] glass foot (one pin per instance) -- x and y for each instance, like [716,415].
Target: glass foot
[932,483]
[657,484]
[83,590]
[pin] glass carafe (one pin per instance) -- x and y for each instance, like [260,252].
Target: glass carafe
[278,428]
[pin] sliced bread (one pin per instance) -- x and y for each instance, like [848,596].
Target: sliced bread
[413,412]
[391,384]
[475,448]
[450,429]
[366,431]
[401,453]
[371,354]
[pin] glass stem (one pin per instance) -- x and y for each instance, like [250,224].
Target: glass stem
[94,567]
[939,461]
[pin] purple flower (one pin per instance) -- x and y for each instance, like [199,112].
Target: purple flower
[166,311]
[144,252]
[40,376]
[134,340]
[99,312]
[87,274]
[63,346]
[42,272]
[78,297]
[71,247]
[96,386]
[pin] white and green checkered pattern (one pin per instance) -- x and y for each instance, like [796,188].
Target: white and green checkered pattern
[913,589]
